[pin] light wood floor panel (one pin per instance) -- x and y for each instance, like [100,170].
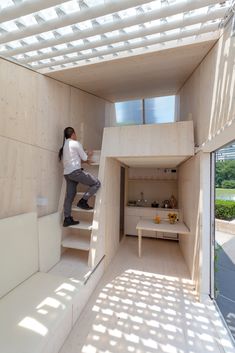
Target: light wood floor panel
[146,305]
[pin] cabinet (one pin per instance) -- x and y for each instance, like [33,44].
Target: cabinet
[134,214]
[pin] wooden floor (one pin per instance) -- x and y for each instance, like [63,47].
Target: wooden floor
[146,305]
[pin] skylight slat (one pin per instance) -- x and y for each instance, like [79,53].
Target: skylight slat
[25,8]
[134,35]
[73,18]
[187,33]
[111,26]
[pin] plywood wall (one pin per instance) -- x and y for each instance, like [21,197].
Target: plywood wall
[189,203]
[34,110]
[208,96]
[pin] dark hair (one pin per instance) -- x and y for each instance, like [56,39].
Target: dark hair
[68,131]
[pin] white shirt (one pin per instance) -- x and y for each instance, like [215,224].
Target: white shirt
[73,154]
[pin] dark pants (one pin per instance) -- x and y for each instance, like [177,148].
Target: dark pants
[72,180]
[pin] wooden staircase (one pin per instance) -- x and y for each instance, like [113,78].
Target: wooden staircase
[75,244]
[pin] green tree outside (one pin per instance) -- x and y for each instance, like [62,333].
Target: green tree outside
[225,174]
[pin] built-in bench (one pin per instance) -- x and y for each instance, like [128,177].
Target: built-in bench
[37,309]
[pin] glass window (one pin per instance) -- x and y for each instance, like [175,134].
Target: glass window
[159,110]
[156,110]
[223,277]
[129,113]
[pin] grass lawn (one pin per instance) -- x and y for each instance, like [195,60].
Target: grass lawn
[225,194]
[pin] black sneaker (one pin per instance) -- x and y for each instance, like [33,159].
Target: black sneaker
[69,221]
[84,205]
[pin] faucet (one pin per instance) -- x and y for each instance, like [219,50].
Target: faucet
[141,202]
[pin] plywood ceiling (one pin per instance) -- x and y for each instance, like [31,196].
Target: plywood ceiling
[153,162]
[147,75]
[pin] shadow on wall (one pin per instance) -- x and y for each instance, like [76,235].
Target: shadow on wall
[223,98]
[146,312]
[190,195]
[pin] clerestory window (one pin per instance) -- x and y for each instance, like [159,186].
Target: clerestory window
[146,111]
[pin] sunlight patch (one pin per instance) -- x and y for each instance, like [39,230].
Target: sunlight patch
[34,325]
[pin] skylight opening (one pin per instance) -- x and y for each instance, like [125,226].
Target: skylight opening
[176,17]
[32,53]
[9,26]
[6,3]
[84,25]
[87,51]
[61,46]
[136,40]
[72,55]
[195,26]
[46,50]
[70,7]
[131,29]
[47,35]
[56,67]
[68,65]
[92,3]
[117,45]
[175,31]
[127,13]
[48,14]
[45,61]
[28,20]
[105,19]
[65,30]
[94,38]
[15,44]
[31,40]
[18,57]
[58,58]
[153,36]
[75,42]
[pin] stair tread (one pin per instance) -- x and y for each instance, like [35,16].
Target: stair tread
[81,193]
[83,225]
[78,209]
[76,242]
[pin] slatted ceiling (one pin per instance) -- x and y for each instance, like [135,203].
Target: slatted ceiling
[88,33]
[49,35]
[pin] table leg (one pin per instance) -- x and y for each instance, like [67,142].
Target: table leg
[140,240]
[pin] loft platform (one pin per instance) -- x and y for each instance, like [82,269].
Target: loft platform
[161,145]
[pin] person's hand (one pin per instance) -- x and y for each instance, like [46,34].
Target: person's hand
[89,155]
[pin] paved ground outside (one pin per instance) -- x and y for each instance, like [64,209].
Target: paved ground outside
[225,277]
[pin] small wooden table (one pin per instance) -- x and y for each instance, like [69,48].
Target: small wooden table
[164,226]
